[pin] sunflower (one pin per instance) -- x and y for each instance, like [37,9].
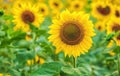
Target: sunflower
[111,52]
[117,11]
[24,14]
[28,37]
[17,3]
[55,4]
[100,25]
[71,33]
[102,10]
[37,59]
[114,26]
[43,9]
[77,5]
[6,7]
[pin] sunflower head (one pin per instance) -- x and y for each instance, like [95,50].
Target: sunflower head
[117,11]
[100,25]
[6,7]
[77,5]
[26,13]
[43,9]
[20,3]
[102,10]
[69,33]
[36,60]
[55,4]
[114,26]
[111,52]
[27,16]
[28,37]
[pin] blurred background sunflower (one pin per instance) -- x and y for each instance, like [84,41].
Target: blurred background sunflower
[102,10]
[114,26]
[100,25]
[117,11]
[26,14]
[77,5]
[43,9]
[55,6]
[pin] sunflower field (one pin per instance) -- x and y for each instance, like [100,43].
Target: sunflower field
[59,37]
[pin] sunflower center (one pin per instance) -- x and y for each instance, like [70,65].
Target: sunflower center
[42,10]
[56,4]
[117,13]
[99,27]
[28,16]
[104,11]
[76,5]
[116,28]
[71,33]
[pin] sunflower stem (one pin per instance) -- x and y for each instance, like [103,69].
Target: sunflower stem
[75,62]
[118,62]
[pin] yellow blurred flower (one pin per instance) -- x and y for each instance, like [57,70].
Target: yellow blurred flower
[37,60]
[28,37]
[71,33]
[100,25]
[17,3]
[102,10]
[114,26]
[112,53]
[55,7]
[55,4]
[117,11]
[43,9]
[6,7]
[77,5]
[25,14]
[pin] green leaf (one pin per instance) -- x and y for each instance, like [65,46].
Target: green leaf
[70,71]
[14,72]
[48,69]
[22,43]
[110,36]
[23,55]
[2,33]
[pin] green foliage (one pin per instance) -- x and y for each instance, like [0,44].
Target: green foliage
[48,69]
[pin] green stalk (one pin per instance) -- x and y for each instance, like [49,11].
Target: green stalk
[118,63]
[75,62]
[118,59]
